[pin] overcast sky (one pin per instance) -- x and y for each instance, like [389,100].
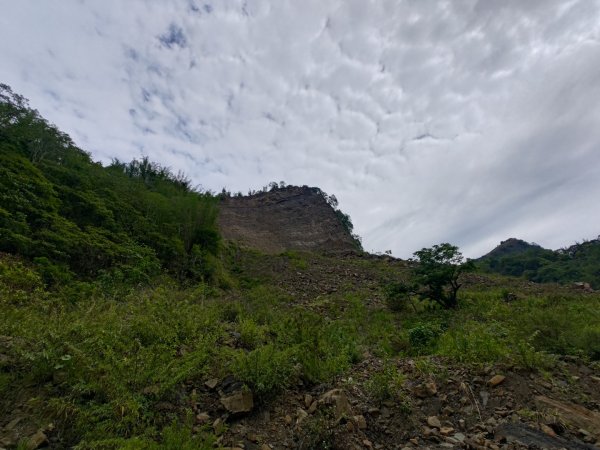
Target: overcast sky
[431,121]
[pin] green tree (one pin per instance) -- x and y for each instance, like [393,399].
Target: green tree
[437,271]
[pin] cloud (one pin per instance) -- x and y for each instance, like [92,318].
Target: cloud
[464,121]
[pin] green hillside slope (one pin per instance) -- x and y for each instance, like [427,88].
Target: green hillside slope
[74,217]
[578,263]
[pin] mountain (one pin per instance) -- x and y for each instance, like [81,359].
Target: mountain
[510,247]
[514,257]
[286,218]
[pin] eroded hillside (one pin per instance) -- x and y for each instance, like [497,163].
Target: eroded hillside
[291,218]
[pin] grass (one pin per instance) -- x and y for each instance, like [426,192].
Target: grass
[98,362]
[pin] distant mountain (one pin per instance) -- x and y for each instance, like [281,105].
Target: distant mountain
[514,257]
[512,246]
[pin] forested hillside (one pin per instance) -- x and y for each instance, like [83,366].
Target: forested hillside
[514,257]
[75,218]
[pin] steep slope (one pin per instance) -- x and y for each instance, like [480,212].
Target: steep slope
[290,218]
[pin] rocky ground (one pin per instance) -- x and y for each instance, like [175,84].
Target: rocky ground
[441,406]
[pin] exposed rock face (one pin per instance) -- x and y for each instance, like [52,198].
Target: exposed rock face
[292,218]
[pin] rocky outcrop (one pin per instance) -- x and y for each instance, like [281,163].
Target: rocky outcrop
[291,218]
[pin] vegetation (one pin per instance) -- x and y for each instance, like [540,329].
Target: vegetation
[76,219]
[578,263]
[437,272]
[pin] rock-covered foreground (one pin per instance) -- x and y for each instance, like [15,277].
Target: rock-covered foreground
[449,407]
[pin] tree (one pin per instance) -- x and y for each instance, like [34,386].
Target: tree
[437,270]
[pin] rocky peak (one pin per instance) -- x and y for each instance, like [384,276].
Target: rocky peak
[288,218]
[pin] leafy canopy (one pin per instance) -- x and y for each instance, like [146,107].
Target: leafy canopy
[437,272]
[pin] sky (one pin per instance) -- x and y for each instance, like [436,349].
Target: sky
[458,121]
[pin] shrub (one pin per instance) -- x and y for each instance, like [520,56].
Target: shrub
[397,295]
[422,336]
[266,370]
[473,342]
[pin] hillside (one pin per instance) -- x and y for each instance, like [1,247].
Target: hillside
[287,218]
[514,257]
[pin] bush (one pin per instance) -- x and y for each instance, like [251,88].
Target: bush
[266,370]
[422,337]
[397,295]
[473,342]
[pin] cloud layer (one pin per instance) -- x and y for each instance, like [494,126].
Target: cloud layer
[462,121]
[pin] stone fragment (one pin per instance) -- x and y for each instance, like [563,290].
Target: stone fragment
[446,431]
[546,429]
[301,414]
[361,422]
[496,380]
[434,422]
[37,440]
[308,399]
[338,398]
[203,417]
[484,398]
[460,437]
[431,388]
[212,383]
[288,419]
[238,402]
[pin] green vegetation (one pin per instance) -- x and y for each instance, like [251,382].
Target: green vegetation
[578,263]
[437,271]
[76,219]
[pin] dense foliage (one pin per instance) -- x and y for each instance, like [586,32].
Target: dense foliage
[74,217]
[580,262]
[437,271]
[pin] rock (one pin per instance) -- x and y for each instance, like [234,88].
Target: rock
[288,419]
[367,443]
[431,388]
[446,431]
[434,422]
[37,440]
[265,447]
[218,425]
[241,401]
[571,414]
[212,383]
[484,398]
[361,422]
[301,416]
[460,437]
[535,438]
[203,417]
[546,429]
[496,380]
[338,398]
[313,407]
[252,437]
[308,399]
